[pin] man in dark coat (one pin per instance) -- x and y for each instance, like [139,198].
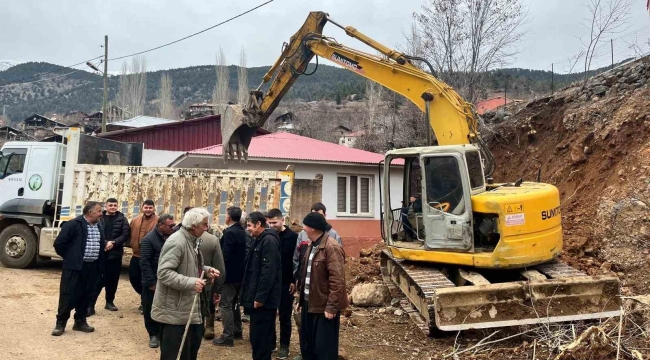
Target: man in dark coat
[150,247]
[80,244]
[233,246]
[261,285]
[116,233]
[288,240]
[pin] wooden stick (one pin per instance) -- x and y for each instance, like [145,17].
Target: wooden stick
[620,330]
[189,319]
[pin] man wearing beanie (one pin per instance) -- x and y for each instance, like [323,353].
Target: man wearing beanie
[322,292]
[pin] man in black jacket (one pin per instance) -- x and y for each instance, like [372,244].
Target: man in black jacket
[261,285]
[116,233]
[233,246]
[288,240]
[150,248]
[80,244]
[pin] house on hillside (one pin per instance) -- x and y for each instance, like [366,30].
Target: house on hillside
[350,138]
[199,110]
[7,133]
[285,121]
[345,180]
[39,126]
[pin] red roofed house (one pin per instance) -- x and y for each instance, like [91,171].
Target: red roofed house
[345,180]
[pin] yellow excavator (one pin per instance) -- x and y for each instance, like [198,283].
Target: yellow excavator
[464,252]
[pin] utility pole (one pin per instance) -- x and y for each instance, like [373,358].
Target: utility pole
[611,41]
[105,83]
[552,79]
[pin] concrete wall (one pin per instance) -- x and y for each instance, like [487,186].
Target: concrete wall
[357,231]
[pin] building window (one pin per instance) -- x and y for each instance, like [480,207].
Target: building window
[354,195]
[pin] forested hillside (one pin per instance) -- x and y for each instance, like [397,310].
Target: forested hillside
[60,90]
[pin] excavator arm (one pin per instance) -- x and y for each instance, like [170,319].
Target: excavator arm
[451,118]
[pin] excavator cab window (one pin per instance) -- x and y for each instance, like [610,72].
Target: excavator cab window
[444,184]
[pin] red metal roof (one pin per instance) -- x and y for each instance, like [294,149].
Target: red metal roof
[491,104]
[282,145]
[177,136]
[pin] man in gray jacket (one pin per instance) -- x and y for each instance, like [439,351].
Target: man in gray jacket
[180,277]
[213,256]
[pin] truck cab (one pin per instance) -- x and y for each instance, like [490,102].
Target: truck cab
[28,193]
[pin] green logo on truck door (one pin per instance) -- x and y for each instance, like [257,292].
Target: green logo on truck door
[35,182]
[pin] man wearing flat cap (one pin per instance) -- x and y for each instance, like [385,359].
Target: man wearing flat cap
[322,292]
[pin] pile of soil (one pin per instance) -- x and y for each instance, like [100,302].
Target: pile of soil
[365,268]
[592,143]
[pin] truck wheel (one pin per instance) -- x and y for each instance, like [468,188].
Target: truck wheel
[18,246]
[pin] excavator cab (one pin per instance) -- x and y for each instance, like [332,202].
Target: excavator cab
[437,188]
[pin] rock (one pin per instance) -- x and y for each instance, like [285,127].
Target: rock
[394,302]
[365,253]
[621,172]
[583,97]
[370,294]
[577,156]
[587,150]
[365,260]
[595,98]
[599,90]
[399,312]
[382,311]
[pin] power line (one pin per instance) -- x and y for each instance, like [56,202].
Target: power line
[21,81]
[141,52]
[196,33]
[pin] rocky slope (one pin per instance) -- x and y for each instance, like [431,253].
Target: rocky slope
[591,140]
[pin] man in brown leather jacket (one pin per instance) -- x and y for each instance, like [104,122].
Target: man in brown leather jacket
[322,292]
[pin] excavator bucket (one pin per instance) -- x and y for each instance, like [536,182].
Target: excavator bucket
[236,133]
[552,292]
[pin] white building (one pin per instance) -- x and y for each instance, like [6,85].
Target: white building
[345,180]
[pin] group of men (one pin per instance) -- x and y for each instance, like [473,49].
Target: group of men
[182,272]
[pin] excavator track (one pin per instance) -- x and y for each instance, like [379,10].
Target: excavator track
[550,292]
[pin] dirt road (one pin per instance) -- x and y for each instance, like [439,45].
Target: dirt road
[28,302]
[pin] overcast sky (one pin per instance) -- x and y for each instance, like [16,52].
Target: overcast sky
[69,31]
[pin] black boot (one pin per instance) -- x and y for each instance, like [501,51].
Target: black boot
[110,306]
[91,311]
[83,327]
[154,342]
[58,330]
[223,342]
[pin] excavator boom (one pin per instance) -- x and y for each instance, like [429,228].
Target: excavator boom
[451,118]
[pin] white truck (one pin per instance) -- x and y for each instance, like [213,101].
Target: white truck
[44,184]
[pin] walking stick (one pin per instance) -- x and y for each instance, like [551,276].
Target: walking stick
[189,319]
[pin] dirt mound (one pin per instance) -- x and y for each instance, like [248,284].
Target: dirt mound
[364,268]
[591,141]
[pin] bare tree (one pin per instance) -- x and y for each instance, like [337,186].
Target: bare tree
[221,93]
[132,92]
[467,38]
[242,79]
[374,92]
[606,17]
[166,107]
